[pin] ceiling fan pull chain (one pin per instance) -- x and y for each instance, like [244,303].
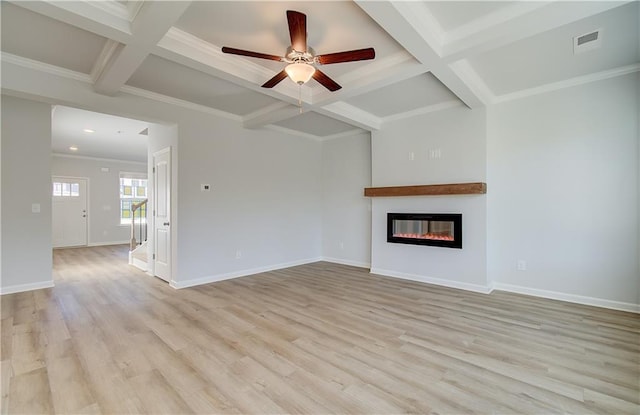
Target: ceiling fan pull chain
[300,97]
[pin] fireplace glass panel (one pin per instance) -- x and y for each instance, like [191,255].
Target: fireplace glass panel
[435,229]
[424,229]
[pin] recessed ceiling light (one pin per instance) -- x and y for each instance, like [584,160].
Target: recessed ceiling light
[73,148]
[88,130]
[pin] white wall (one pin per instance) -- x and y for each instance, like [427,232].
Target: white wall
[265,200]
[563,193]
[26,180]
[460,136]
[346,213]
[104,194]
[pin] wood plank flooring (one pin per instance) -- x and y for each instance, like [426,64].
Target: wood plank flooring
[317,339]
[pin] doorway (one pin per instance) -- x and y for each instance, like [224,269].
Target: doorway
[69,211]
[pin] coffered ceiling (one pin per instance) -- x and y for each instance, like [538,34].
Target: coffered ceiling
[430,55]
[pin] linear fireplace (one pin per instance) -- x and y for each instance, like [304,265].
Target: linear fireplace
[434,229]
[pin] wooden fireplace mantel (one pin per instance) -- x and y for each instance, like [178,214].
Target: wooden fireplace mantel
[428,190]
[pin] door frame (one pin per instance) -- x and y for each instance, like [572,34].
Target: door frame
[88,203]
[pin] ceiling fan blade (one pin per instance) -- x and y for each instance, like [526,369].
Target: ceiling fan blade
[348,56]
[327,82]
[234,51]
[275,80]
[297,30]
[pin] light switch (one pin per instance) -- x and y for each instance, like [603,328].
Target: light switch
[205,187]
[35,208]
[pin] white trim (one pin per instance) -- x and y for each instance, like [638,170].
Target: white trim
[567,83]
[350,133]
[178,102]
[288,131]
[237,274]
[73,156]
[424,110]
[45,67]
[138,263]
[347,262]
[484,289]
[26,287]
[571,298]
[108,243]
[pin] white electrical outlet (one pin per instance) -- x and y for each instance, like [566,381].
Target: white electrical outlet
[412,156]
[238,254]
[341,245]
[522,265]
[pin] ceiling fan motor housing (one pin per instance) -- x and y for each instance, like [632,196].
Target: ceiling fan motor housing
[294,56]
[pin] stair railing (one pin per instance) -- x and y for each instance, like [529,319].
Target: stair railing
[142,223]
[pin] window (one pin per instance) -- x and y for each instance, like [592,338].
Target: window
[61,189]
[133,189]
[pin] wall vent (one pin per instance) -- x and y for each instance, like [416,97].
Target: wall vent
[587,41]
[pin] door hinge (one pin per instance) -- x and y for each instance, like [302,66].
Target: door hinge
[154,169]
[154,256]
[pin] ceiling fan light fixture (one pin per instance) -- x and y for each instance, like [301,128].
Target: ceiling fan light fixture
[300,73]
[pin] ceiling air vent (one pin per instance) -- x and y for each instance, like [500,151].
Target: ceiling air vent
[588,41]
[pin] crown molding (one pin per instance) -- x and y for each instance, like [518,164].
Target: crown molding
[567,83]
[424,110]
[350,133]
[178,102]
[288,131]
[106,160]
[351,115]
[45,67]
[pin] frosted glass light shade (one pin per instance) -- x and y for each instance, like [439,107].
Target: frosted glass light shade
[300,73]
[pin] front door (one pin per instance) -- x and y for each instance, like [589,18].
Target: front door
[162,217]
[69,205]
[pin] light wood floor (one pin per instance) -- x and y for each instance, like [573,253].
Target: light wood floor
[318,338]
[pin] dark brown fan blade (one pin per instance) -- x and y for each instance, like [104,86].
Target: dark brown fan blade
[348,56]
[234,51]
[327,82]
[275,80]
[297,30]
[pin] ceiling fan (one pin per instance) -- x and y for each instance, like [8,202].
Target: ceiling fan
[301,58]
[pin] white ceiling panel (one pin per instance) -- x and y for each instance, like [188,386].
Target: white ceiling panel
[165,77]
[113,137]
[453,14]
[484,51]
[418,92]
[332,26]
[48,40]
[549,57]
[315,124]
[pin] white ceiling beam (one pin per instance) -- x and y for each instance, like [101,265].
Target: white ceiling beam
[151,24]
[110,21]
[188,50]
[349,114]
[405,22]
[516,22]
[270,115]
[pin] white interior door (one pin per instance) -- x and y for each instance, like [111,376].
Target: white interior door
[69,205]
[162,213]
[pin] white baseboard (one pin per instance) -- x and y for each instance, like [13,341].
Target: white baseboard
[571,298]
[238,274]
[108,243]
[26,287]
[347,262]
[141,265]
[484,289]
